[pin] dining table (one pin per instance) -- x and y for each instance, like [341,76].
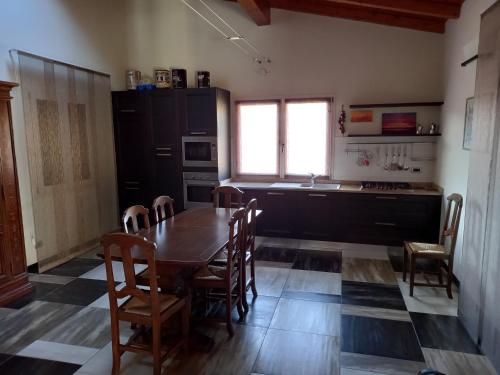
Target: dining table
[184,243]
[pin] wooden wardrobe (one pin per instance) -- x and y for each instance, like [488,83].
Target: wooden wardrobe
[13,272]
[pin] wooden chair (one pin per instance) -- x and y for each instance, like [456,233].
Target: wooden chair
[145,308]
[132,213]
[228,193]
[226,278]
[440,252]
[162,206]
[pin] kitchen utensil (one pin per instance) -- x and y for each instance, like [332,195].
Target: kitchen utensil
[405,162]
[400,160]
[394,162]
[386,163]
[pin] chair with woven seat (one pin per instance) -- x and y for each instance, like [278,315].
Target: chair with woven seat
[442,252]
[226,278]
[163,207]
[147,308]
[233,197]
[131,214]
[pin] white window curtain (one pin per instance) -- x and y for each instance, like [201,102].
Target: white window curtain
[67,112]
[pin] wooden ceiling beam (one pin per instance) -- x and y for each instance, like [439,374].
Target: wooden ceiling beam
[352,12]
[439,9]
[258,10]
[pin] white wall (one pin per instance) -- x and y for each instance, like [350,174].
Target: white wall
[461,43]
[311,55]
[88,33]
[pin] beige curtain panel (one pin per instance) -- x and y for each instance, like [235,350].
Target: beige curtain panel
[69,134]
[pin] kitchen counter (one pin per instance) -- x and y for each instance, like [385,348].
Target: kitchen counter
[342,187]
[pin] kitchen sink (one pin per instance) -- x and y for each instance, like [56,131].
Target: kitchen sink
[295,185]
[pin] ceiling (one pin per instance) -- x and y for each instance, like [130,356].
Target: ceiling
[424,15]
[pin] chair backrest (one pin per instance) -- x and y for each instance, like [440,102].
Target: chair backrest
[125,248]
[250,224]
[235,243]
[452,221]
[132,213]
[163,206]
[233,197]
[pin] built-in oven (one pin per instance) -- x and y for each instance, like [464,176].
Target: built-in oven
[199,151]
[198,187]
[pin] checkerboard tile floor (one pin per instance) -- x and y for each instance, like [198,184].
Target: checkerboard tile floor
[323,308]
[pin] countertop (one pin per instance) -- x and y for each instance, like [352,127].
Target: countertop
[345,187]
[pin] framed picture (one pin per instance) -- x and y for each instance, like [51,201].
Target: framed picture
[361,116]
[399,123]
[469,117]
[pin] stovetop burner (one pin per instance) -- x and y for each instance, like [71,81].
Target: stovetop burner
[385,185]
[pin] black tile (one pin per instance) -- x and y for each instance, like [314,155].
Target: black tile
[373,295]
[442,332]
[396,257]
[75,267]
[41,290]
[28,366]
[276,254]
[309,296]
[78,292]
[314,260]
[380,337]
[4,357]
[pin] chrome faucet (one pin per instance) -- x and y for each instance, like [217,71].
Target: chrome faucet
[313,178]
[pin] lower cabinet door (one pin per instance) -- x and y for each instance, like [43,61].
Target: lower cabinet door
[279,214]
[315,216]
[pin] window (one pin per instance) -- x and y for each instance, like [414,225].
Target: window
[295,144]
[258,138]
[307,137]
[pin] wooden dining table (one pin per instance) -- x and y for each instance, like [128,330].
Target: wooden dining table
[184,243]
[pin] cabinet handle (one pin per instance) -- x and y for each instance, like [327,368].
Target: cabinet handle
[274,193]
[127,110]
[131,188]
[163,148]
[385,224]
[387,198]
[132,182]
[317,195]
[161,154]
[198,133]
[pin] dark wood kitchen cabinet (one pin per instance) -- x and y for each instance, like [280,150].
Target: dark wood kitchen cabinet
[385,219]
[13,271]
[317,215]
[203,110]
[148,148]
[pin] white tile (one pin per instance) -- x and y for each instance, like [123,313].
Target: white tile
[271,281]
[348,371]
[99,273]
[314,282]
[456,363]
[103,301]
[130,364]
[58,352]
[428,300]
[307,316]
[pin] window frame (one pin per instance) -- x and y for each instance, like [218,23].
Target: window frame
[282,132]
[237,132]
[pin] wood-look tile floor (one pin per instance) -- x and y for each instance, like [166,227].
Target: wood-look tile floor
[323,308]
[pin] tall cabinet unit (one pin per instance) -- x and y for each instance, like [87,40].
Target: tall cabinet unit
[13,272]
[149,127]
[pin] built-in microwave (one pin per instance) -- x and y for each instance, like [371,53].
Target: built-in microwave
[199,151]
[198,188]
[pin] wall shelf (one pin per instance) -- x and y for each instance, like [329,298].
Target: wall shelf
[395,105]
[393,135]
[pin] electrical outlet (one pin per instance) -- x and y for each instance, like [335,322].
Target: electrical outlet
[416,170]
